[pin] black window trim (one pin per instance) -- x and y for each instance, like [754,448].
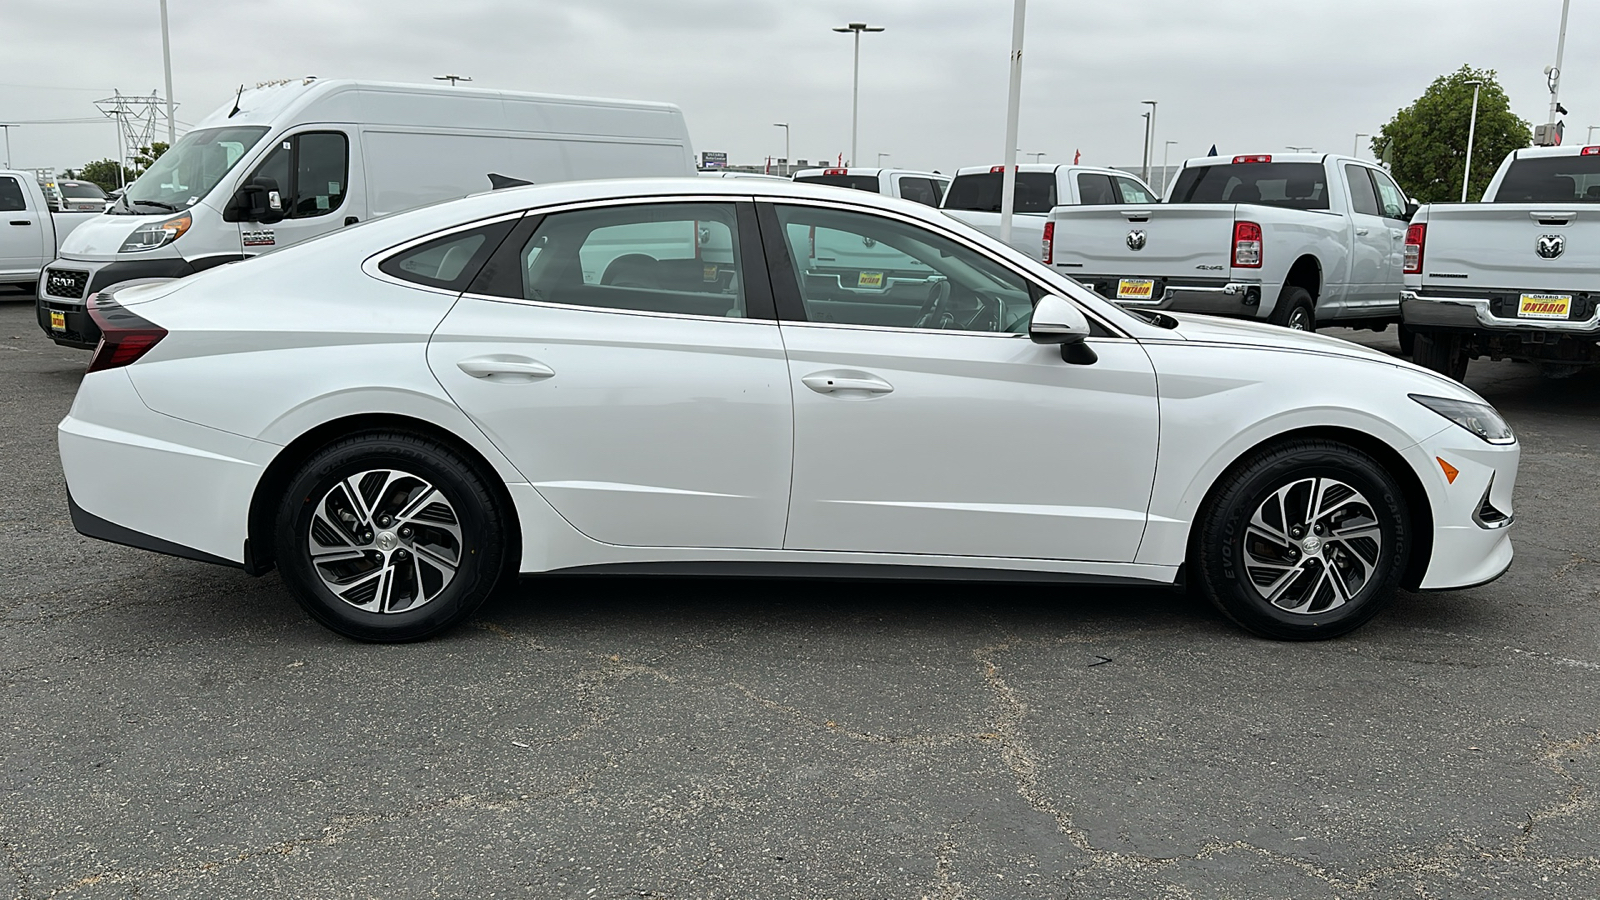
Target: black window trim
[292,189]
[757,285]
[791,307]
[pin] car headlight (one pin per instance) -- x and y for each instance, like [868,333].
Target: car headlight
[1478,418]
[157,234]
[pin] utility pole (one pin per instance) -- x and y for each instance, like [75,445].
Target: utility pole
[855,91]
[1472,132]
[166,61]
[1149,135]
[1008,178]
[788,161]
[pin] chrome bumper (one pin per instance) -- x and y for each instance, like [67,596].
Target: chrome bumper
[1472,312]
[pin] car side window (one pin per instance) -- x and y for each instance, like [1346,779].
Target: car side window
[1362,198]
[1094,189]
[311,169]
[680,258]
[1132,191]
[1391,199]
[859,269]
[11,199]
[447,262]
[919,190]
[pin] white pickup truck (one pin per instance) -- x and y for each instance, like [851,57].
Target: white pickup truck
[974,197]
[1516,276]
[30,233]
[1300,240]
[926,188]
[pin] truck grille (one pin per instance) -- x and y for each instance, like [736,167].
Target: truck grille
[66,283]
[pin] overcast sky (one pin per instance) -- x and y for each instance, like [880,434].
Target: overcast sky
[1247,75]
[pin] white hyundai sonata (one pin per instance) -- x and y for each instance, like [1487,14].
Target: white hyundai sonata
[751,377]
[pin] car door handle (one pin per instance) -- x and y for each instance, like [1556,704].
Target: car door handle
[834,382]
[22,221]
[505,368]
[1362,232]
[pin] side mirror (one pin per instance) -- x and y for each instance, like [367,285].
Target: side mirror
[1411,209]
[259,201]
[1056,320]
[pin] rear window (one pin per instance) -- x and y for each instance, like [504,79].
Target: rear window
[868,183]
[81,190]
[1289,185]
[980,192]
[1551,179]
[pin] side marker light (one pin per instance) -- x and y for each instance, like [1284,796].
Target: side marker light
[1450,472]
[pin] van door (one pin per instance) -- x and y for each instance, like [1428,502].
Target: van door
[319,182]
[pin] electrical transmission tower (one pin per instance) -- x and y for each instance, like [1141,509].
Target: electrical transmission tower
[138,119]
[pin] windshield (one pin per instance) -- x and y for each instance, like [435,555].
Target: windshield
[81,190]
[1551,179]
[1035,192]
[1290,185]
[189,170]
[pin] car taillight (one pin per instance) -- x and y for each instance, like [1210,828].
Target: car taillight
[124,336]
[1047,252]
[1416,236]
[1246,245]
[1239,160]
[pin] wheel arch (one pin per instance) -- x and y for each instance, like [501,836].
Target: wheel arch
[1306,273]
[1414,494]
[260,554]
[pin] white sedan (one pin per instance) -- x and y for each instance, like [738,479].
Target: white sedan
[705,376]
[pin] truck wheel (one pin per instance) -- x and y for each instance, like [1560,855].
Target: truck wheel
[1295,310]
[1407,338]
[1441,353]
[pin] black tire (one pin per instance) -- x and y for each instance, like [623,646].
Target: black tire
[1443,353]
[1241,569]
[1295,309]
[399,528]
[1407,339]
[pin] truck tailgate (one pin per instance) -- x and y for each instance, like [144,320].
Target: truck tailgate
[1498,245]
[1184,240]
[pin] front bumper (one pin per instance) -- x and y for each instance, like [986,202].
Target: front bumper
[65,285]
[1472,513]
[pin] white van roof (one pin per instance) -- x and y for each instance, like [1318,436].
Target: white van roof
[442,106]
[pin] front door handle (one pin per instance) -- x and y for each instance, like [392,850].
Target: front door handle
[1361,232]
[505,368]
[836,382]
[22,221]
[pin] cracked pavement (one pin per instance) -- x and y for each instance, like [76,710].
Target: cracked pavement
[169,729]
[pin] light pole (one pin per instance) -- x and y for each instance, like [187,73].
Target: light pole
[880,158]
[166,62]
[1008,177]
[1472,132]
[1144,166]
[855,90]
[1149,133]
[1165,149]
[788,161]
[1299,149]
[1036,156]
[1553,74]
[7,130]
[1591,134]
[1355,146]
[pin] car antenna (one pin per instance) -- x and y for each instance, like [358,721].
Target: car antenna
[236,102]
[500,182]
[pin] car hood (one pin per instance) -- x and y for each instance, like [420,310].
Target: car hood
[1237,332]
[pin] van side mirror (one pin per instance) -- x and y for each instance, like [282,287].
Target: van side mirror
[259,201]
[1056,320]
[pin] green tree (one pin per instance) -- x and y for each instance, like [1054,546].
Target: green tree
[1426,143]
[102,172]
[147,156]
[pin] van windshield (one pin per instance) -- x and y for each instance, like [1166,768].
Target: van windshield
[188,171]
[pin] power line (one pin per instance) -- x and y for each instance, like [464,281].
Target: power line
[51,87]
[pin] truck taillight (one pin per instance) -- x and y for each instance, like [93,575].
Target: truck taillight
[1590,151]
[124,337]
[835,171]
[1416,236]
[993,169]
[1246,245]
[1047,251]
[1238,160]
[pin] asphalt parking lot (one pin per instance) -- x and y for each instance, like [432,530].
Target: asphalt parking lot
[170,729]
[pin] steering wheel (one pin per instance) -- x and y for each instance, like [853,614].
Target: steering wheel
[938,297]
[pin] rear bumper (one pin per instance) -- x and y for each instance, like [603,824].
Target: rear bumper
[1485,334]
[1217,297]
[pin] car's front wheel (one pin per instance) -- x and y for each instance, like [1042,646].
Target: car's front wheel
[390,537]
[1303,541]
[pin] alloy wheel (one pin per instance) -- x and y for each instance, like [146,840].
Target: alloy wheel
[385,541]
[1312,545]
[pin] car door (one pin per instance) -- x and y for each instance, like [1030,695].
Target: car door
[1392,207]
[1369,247]
[317,187]
[22,230]
[626,359]
[927,422]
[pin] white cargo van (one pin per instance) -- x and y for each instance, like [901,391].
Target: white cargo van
[288,161]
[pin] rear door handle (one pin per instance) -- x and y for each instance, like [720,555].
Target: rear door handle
[1361,232]
[505,368]
[835,382]
[22,221]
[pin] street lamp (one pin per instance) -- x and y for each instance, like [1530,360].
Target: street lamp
[1355,146]
[855,90]
[1165,149]
[1472,132]
[1149,132]
[1299,149]
[880,158]
[1036,156]
[1591,134]
[7,130]
[788,161]
[451,78]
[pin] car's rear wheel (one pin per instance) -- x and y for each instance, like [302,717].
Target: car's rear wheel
[1303,541]
[390,537]
[1295,310]
[1443,353]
